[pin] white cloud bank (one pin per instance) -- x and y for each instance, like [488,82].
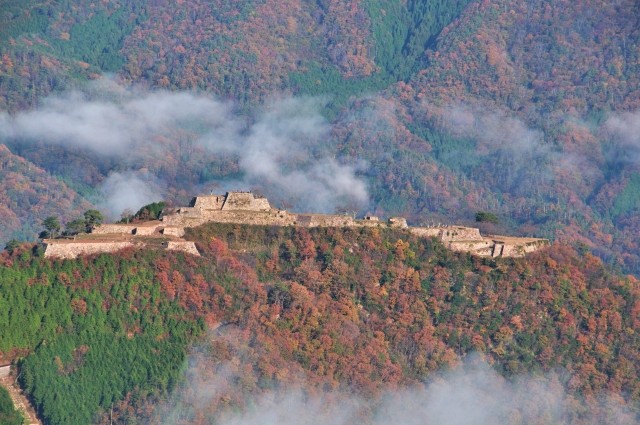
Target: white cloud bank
[472,394]
[128,191]
[276,146]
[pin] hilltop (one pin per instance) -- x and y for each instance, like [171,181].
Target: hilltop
[331,311]
[248,209]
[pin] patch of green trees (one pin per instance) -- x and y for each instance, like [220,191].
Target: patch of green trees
[8,413]
[97,330]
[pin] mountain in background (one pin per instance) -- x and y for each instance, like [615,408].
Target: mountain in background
[527,110]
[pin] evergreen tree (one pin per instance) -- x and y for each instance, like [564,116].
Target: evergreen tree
[51,225]
[92,218]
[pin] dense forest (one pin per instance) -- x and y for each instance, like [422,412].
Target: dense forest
[330,311]
[8,413]
[95,332]
[442,109]
[521,117]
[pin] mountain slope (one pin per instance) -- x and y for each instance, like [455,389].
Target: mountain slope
[336,313]
[524,109]
[28,195]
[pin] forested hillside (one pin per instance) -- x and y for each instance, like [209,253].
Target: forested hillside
[524,109]
[339,314]
[521,115]
[95,332]
[28,194]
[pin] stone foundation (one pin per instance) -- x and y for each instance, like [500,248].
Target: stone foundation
[65,249]
[173,231]
[184,246]
[119,229]
[145,230]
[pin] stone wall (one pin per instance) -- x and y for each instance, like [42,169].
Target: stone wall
[184,246]
[472,246]
[145,230]
[369,223]
[398,222]
[188,218]
[119,229]
[515,249]
[426,232]
[66,249]
[231,201]
[322,220]
[459,233]
[246,201]
[211,202]
[176,231]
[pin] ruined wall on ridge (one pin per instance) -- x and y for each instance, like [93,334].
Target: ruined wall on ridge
[145,230]
[426,232]
[188,218]
[74,249]
[210,202]
[479,247]
[120,229]
[245,201]
[322,220]
[245,208]
[459,233]
[516,248]
[183,246]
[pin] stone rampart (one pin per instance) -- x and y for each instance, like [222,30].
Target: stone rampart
[369,223]
[145,230]
[514,248]
[459,233]
[246,201]
[183,246]
[188,218]
[210,202]
[119,229]
[426,232]
[398,222]
[471,246]
[322,220]
[176,231]
[66,249]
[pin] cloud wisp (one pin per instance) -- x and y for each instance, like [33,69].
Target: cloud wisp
[623,131]
[129,191]
[472,394]
[277,146]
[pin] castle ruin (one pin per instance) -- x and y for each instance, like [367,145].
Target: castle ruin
[248,208]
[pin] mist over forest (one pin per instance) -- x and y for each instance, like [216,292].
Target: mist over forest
[442,112]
